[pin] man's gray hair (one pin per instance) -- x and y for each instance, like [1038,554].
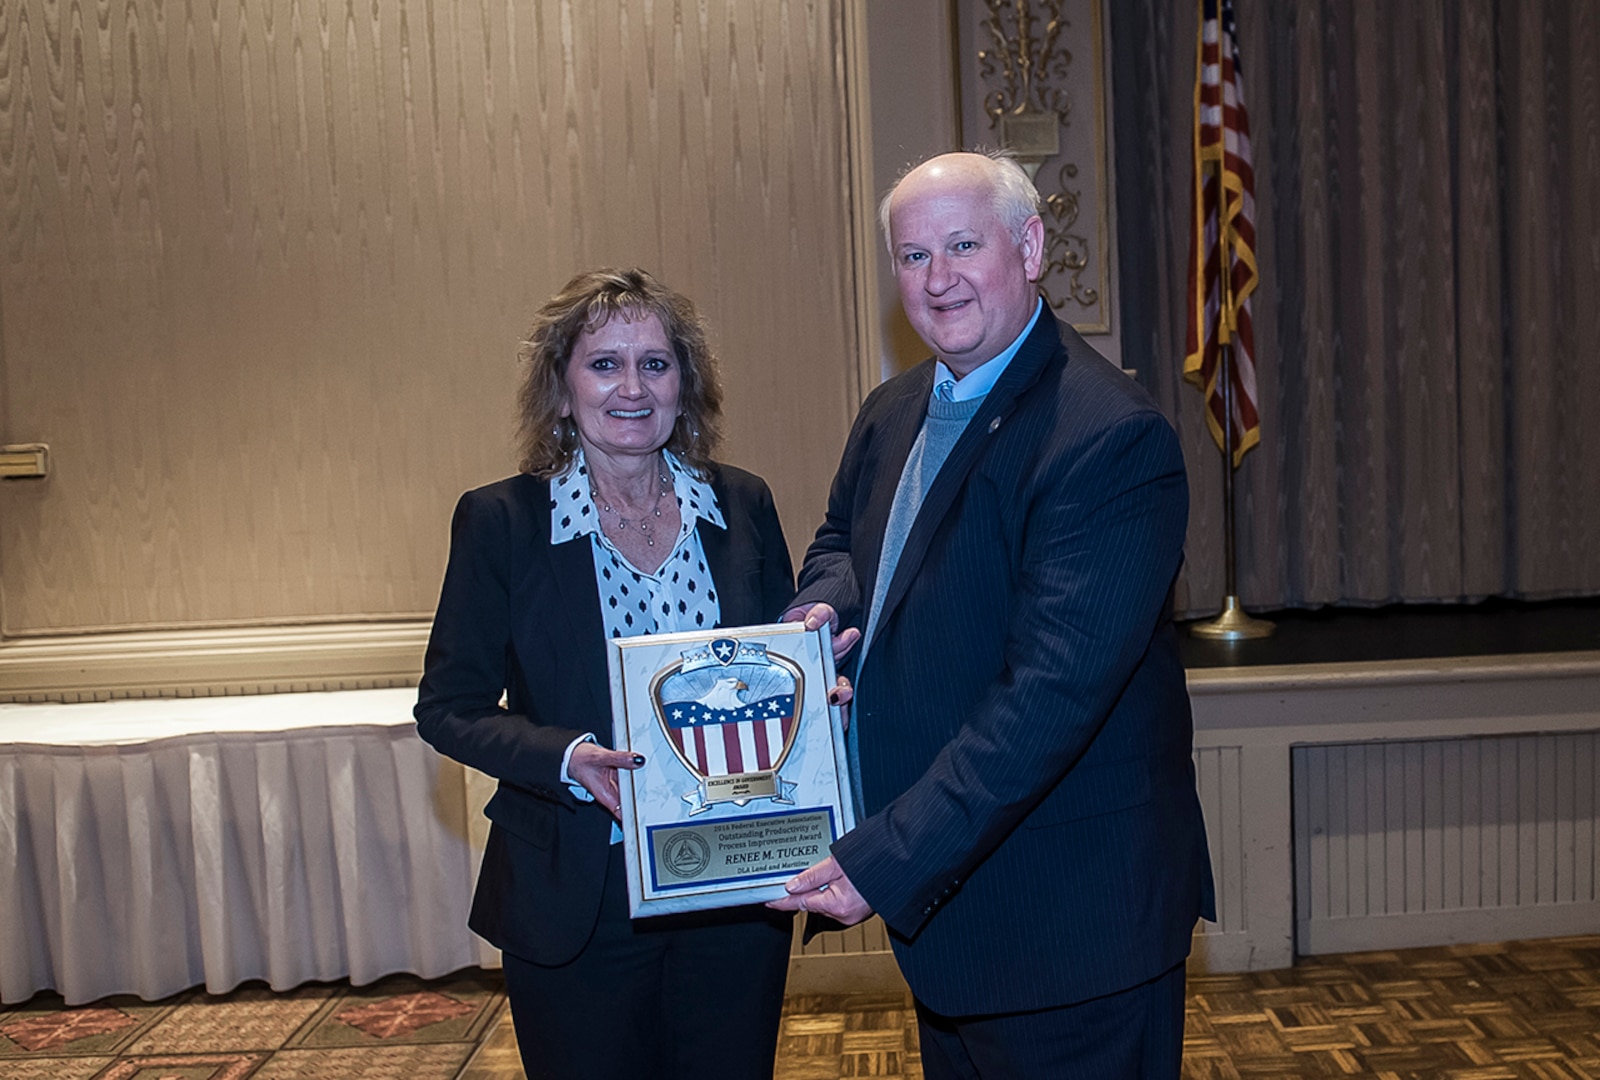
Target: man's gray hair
[1015,198]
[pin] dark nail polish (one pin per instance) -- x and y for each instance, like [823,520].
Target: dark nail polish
[638,759]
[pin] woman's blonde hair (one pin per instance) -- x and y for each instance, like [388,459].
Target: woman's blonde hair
[546,440]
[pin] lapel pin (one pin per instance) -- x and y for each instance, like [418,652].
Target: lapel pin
[994,425]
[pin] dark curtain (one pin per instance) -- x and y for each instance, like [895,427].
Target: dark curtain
[1428,318]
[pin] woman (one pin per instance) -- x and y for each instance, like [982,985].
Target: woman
[618,524]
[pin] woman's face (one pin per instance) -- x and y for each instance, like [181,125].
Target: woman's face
[622,387]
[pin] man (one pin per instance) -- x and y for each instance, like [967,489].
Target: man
[1006,524]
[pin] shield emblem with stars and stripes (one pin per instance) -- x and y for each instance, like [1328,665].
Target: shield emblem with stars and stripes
[728,710]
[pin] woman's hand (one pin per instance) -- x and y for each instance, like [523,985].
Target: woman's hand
[840,697]
[595,767]
[814,615]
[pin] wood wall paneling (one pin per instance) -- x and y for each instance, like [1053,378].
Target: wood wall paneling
[1452,836]
[265,265]
[1220,784]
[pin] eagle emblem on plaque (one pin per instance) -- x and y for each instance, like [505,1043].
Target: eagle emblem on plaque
[728,710]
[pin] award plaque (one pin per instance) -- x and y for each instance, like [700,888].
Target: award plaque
[744,783]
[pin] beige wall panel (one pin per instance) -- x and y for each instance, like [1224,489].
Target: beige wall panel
[265,265]
[915,113]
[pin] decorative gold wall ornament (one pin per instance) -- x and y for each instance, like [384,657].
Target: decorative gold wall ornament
[1065,252]
[1029,110]
[1030,107]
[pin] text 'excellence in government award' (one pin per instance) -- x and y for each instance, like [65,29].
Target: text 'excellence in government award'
[744,783]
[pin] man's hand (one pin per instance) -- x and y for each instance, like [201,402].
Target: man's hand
[814,615]
[825,889]
[595,767]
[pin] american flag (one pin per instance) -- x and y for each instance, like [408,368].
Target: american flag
[722,742]
[1223,236]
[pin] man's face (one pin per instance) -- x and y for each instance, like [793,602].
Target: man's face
[965,282]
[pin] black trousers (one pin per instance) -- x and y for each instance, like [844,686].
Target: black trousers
[674,996]
[1136,1034]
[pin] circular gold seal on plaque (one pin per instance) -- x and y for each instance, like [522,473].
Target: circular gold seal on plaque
[686,855]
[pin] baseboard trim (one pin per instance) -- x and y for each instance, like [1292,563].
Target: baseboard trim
[1468,926]
[212,662]
[1217,953]
[845,973]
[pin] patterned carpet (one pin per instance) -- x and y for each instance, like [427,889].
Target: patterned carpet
[1478,1012]
[397,1027]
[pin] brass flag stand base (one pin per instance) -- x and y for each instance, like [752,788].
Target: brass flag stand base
[1234,624]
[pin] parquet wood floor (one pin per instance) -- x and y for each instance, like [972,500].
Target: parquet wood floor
[1471,1012]
[1468,1012]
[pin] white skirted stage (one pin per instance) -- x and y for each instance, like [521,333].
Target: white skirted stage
[150,846]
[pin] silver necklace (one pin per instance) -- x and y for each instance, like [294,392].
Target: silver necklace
[641,523]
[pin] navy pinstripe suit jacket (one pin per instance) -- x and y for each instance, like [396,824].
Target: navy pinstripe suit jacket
[1031,834]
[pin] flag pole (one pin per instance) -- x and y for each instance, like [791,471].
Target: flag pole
[1234,624]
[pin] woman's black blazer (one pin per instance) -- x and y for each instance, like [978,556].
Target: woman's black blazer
[520,616]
